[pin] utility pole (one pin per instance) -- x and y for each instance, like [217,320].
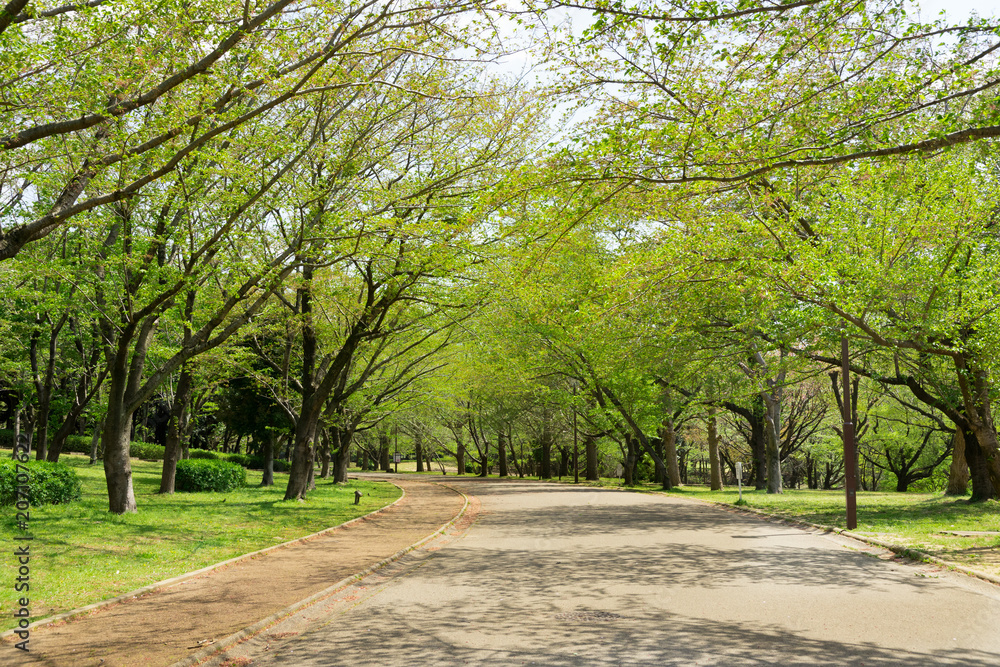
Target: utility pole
[850,449]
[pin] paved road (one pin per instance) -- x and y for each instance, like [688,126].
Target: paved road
[161,628]
[556,575]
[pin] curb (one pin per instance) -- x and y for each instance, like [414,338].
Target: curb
[166,583]
[906,552]
[248,632]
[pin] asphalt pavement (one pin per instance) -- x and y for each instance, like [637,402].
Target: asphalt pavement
[557,575]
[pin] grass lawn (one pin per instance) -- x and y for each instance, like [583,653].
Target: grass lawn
[916,520]
[82,554]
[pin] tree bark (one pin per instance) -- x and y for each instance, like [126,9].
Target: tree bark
[267,478]
[772,431]
[325,452]
[341,455]
[175,430]
[502,453]
[418,447]
[958,475]
[546,447]
[713,451]
[460,455]
[670,451]
[590,447]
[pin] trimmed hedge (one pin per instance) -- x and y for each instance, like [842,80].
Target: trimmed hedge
[47,483]
[80,444]
[209,475]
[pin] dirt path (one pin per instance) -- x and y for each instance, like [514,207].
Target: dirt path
[166,626]
[576,577]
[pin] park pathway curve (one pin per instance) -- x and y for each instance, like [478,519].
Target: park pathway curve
[559,575]
[166,626]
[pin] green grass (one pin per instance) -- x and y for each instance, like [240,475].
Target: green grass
[915,520]
[82,554]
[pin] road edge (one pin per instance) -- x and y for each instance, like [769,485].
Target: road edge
[173,581]
[250,631]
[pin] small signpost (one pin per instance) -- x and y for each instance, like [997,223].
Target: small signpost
[739,479]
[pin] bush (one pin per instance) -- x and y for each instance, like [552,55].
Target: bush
[209,475]
[202,454]
[256,462]
[48,483]
[147,451]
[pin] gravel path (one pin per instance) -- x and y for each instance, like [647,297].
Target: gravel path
[166,626]
[557,575]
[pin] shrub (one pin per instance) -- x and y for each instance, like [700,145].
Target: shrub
[148,451]
[256,462]
[209,475]
[202,454]
[48,483]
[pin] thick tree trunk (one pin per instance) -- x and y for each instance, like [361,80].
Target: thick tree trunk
[958,474]
[669,438]
[502,453]
[302,458]
[267,478]
[385,461]
[418,447]
[117,465]
[772,432]
[713,452]
[341,455]
[175,431]
[628,469]
[325,453]
[590,449]
[460,456]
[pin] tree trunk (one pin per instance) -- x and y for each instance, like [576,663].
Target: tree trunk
[772,432]
[502,453]
[341,455]
[958,475]
[175,431]
[670,451]
[590,449]
[324,453]
[117,465]
[418,447]
[267,479]
[713,451]
[95,438]
[460,455]
[629,464]
[546,446]
[302,457]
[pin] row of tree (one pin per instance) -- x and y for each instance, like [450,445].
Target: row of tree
[340,215]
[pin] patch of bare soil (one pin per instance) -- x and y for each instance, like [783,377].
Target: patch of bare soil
[168,625]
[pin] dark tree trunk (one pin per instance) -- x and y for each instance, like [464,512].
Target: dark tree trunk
[175,431]
[418,447]
[546,447]
[267,479]
[341,455]
[629,464]
[502,453]
[324,453]
[384,460]
[590,449]
[460,456]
